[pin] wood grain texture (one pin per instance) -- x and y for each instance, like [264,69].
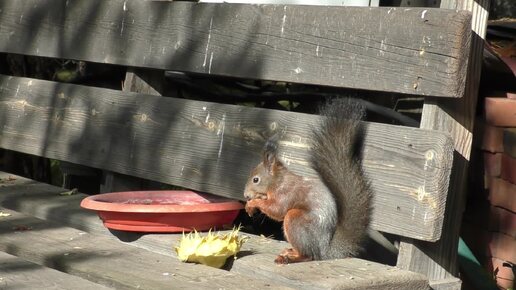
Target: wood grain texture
[439,260]
[85,255]
[144,81]
[16,273]
[255,259]
[104,260]
[332,274]
[212,147]
[26,196]
[447,284]
[139,81]
[420,51]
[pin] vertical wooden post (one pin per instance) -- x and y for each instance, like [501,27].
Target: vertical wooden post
[140,81]
[456,116]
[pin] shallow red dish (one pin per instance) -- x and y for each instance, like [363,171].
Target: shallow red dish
[162,211]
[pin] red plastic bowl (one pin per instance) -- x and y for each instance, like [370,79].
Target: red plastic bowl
[162,211]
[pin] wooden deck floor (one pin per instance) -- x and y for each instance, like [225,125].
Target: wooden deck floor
[48,241]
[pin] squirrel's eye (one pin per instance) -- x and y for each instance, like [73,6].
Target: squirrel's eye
[256,180]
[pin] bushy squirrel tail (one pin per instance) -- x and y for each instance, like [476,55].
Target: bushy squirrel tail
[336,156]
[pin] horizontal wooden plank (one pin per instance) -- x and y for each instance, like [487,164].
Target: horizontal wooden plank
[85,255]
[44,201]
[415,51]
[212,147]
[104,260]
[256,258]
[16,273]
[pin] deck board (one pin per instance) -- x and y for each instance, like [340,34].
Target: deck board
[256,259]
[102,259]
[19,274]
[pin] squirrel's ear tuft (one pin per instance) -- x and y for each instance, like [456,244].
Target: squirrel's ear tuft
[271,146]
[270,151]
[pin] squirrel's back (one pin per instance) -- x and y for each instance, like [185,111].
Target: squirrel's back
[336,156]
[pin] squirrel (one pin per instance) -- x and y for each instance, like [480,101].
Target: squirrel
[325,217]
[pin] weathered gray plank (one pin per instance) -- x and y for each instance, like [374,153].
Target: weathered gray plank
[439,260]
[106,261]
[44,201]
[212,147]
[16,273]
[416,51]
[332,274]
[256,257]
[451,283]
[139,81]
[85,255]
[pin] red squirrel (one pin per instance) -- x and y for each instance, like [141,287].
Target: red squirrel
[325,217]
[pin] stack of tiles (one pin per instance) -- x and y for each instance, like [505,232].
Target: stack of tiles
[489,226]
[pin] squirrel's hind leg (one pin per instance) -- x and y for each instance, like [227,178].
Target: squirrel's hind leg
[291,256]
[286,251]
[296,227]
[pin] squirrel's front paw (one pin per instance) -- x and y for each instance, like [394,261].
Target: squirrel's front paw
[281,260]
[250,210]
